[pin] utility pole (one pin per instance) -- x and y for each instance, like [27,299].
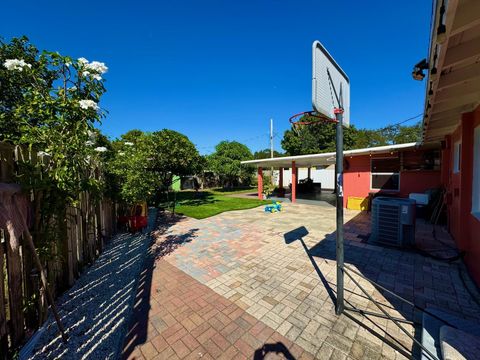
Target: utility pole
[271,138]
[271,151]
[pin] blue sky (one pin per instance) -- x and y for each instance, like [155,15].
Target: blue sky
[217,70]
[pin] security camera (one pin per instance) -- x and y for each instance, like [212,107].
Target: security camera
[417,72]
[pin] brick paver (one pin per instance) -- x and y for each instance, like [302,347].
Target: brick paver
[200,323]
[243,281]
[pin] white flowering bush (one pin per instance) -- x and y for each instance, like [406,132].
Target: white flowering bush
[16,64]
[51,102]
[88,104]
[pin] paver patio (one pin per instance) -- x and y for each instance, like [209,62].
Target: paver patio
[249,284]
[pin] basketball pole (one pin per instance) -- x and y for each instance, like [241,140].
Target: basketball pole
[339,306]
[338,111]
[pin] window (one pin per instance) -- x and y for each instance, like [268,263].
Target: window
[457,150]
[385,174]
[476,174]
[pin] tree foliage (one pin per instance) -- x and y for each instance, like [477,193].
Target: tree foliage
[49,109]
[49,102]
[145,163]
[318,138]
[226,163]
[265,154]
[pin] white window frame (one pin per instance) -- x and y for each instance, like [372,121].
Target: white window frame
[457,150]
[476,174]
[384,173]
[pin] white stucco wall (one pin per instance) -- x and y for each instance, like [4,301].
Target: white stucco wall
[324,176]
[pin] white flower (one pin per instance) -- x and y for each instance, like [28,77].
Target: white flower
[101,149]
[73,88]
[42,154]
[88,104]
[97,77]
[82,61]
[16,64]
[89,143]
[96,66]
[68,63]
[129,143]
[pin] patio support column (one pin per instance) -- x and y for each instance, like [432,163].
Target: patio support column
[294,182]
[309,172]
[260,182]
[280,178]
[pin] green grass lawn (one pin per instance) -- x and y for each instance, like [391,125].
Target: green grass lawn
[208,203]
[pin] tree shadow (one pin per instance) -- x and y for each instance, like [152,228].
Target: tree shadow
[230,190]
[138,327]
[191,198]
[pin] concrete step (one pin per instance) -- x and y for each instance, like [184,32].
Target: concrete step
[458,345]
[432,326]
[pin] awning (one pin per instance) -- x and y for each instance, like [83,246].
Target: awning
[453,85]
[324,159]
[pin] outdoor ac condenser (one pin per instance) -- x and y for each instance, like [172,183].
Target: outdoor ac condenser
[393,221]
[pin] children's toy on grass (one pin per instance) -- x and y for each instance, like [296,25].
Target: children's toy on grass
[274,207]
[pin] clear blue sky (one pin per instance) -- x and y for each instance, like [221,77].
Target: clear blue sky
[217,70]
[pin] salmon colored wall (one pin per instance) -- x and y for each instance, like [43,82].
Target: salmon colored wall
[419,181]
[464,227]
[357,179]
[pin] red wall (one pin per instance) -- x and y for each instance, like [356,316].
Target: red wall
[357,178]
[463,226]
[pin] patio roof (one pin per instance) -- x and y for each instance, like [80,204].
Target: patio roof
[322,159]
[453,85]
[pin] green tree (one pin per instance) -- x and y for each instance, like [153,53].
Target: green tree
[369,138]
[389,135]
[265,154]
[406,134]
[226,163]
[145,163]
[316,138]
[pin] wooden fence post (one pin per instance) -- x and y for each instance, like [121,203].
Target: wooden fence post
[3,314]
[14,270]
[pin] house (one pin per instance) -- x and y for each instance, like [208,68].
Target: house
[452,117]
[449,154]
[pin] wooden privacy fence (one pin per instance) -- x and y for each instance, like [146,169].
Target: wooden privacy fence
[23,306]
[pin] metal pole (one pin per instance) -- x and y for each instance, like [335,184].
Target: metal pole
[271,138]
[271,151]
[339,306]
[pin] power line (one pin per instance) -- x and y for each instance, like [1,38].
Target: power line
[402,122]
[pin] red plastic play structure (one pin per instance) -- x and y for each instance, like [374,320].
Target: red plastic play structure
[135,218]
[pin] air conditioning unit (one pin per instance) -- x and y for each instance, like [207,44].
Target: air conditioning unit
[393,221]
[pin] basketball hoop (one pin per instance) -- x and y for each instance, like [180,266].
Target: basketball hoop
[308,118]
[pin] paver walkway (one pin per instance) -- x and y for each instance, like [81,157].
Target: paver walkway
[277,272]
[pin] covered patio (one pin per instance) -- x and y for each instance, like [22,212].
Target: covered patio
[313,161]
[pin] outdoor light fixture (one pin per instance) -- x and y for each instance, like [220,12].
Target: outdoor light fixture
[417,72]
[442,29]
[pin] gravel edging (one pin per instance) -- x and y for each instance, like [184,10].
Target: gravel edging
[96,310]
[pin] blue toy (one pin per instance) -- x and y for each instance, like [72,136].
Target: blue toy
[274,207]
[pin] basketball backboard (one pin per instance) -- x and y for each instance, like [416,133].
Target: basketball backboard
[323,96]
